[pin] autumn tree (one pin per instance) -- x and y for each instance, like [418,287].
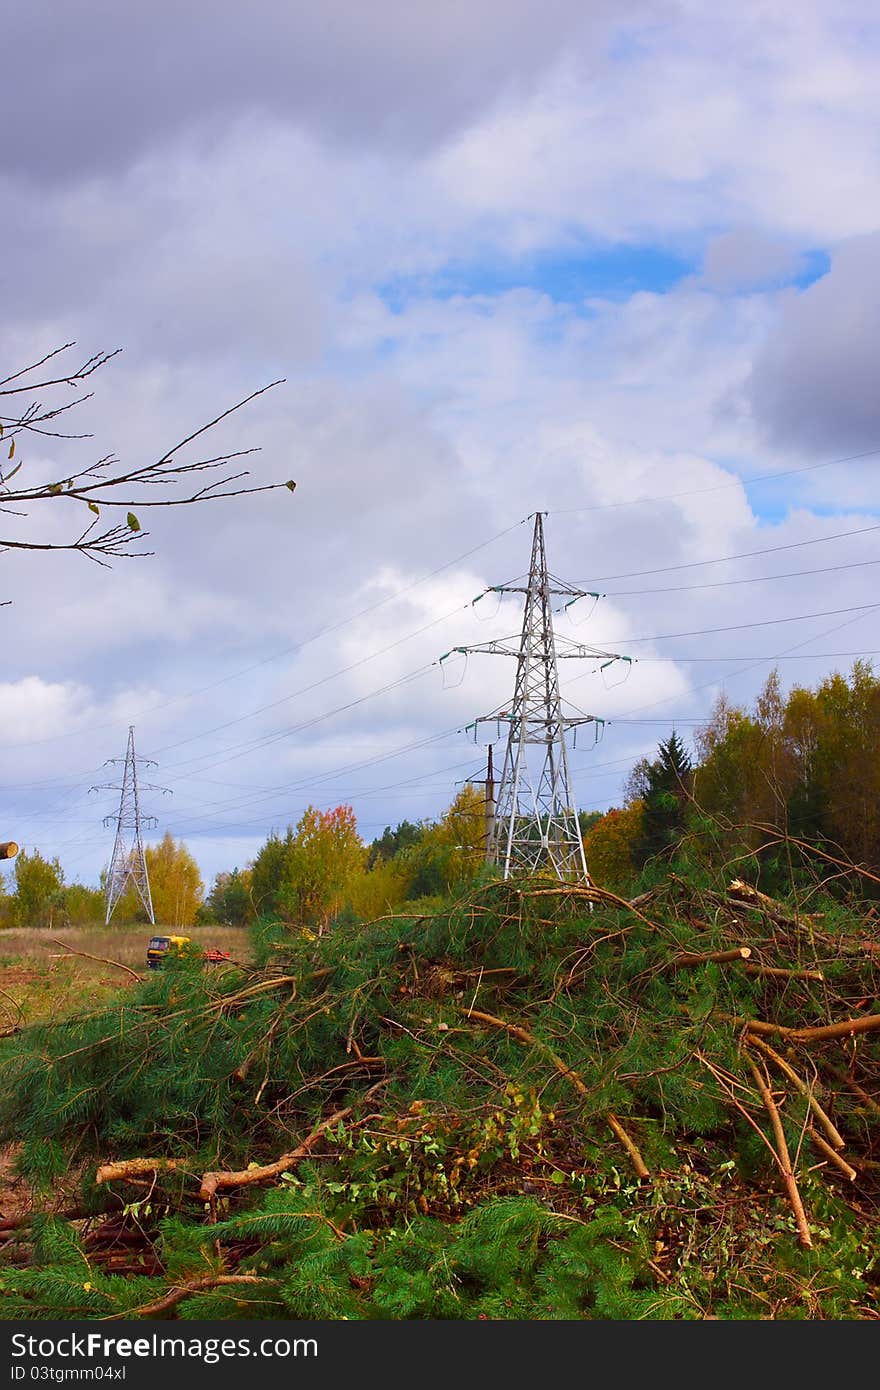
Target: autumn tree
[269,872]
[230,898]
[610,846]
[176,885]
[451,850]
[327,853]
[81,905]
[383,887]
[39,885]
[846,764]
[728,747]
[303,875]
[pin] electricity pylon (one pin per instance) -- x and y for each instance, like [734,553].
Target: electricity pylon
[128,862]
[536,825]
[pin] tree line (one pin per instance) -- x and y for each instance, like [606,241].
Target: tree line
[803,766]
[307,875]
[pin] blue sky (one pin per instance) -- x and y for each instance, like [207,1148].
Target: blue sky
[579,274]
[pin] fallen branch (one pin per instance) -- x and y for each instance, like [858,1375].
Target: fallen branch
[102,960]
[869,1024]
[638,1162]
[739,892]
[868,1101]
[783,1158]
[594,895]
[135,1167]
[826,1149]
[704,958]
[571,1075]
[781,973]
[212,1182]
[642,899]
[180,1291]
[833,1134]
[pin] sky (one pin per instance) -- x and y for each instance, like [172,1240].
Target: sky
[613,262]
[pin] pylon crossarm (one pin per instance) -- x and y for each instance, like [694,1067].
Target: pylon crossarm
[555,590]
[581,650]
[567,722]
[495,648]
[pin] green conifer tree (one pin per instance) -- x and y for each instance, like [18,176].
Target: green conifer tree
[667,790]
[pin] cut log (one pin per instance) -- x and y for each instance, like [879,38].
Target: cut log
[821,1034]
[783,973]
[705,957]
[8,849]
[835,1137]
[744,893]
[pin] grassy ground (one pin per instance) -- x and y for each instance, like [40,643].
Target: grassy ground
[42,977]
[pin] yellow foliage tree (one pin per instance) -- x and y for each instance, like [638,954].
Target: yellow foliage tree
[608,846]
[380,889]
[323,858]
[176,885]
[451,851]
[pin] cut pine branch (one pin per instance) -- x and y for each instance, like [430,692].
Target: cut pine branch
[213,1182]
[852,1085]
[778,972]
[687,958]
[740,894]
[783,1158]
[834,1137]
[827,1031]
[135,1168]
[829,1153]
[181,1291]
[639,1165]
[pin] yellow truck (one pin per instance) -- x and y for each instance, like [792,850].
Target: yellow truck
[161,946]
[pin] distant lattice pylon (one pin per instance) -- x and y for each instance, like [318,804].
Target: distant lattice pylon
[535,825]
[128,863]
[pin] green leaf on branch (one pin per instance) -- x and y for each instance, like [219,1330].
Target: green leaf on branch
[133,523]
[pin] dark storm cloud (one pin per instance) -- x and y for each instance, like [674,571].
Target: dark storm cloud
[90,85]
[814,382]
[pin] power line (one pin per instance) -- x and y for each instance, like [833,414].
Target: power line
[738,482]
[739,627]
[744,555]
[287,651]
[803,656]
[727,583]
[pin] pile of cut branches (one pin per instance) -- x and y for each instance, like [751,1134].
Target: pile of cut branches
[544,1101]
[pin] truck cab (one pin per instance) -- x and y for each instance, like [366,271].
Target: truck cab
[159,947]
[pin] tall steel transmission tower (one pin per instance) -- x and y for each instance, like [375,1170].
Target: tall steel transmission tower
[536,823]
[128,862]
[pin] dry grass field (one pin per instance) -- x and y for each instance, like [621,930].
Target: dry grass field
[41,977]
[44,973]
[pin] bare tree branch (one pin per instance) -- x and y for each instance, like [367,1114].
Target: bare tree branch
[105,483]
